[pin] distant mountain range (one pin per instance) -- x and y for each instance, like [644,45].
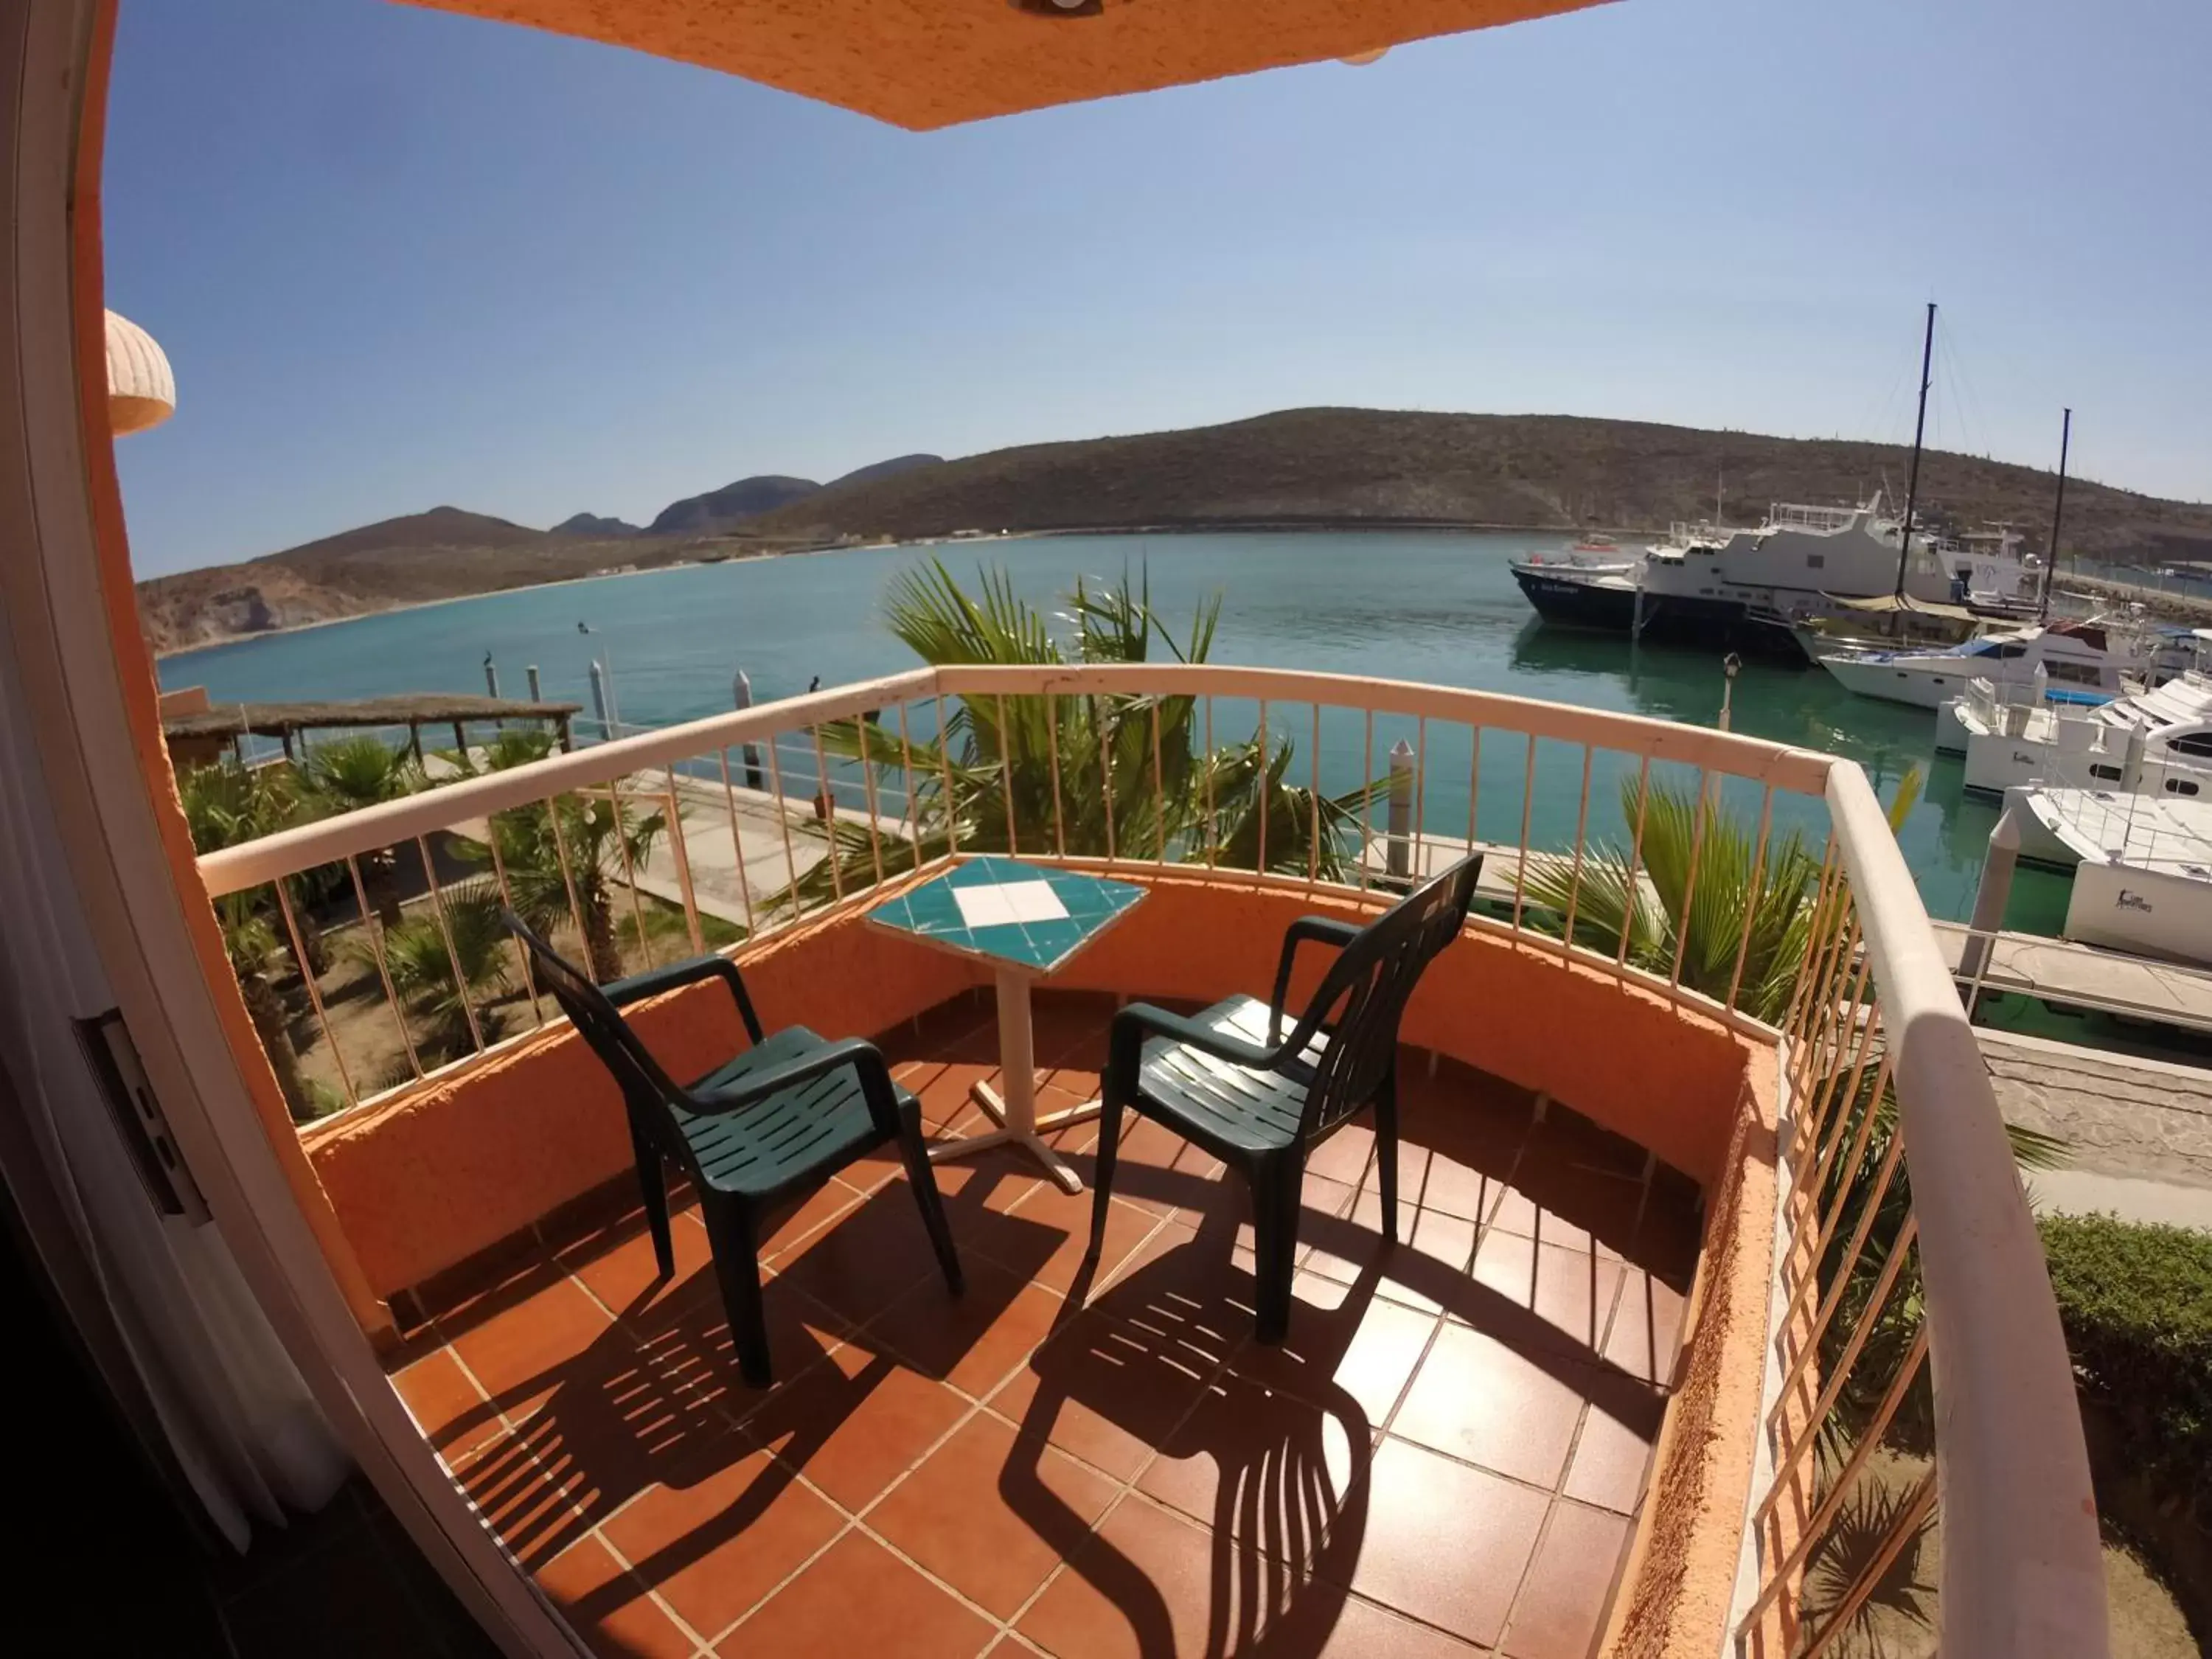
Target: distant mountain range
[589,524]
[1295,467]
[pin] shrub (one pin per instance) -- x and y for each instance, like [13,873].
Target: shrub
[2136,1303]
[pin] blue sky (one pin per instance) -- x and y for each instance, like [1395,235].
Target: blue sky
[399,257]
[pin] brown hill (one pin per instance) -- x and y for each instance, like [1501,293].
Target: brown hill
[1356,465]
[438,555]
[1306,467]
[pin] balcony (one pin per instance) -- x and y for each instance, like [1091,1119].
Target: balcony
[1650,1370]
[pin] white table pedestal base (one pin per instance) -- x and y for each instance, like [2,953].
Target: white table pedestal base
[1015,1111]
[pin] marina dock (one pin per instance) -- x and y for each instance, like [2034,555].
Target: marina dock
[2084,976]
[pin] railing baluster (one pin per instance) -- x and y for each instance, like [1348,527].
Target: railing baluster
[1633,900]
[1006,777]
[738,845]
[630,873]
[1051,733]
[1420,797]
[1892,1156]
[1528,804]
[868,791]
[913,806]
[1688,923]
[1751,903]
[826,805]
[507,898]
[315,991]
[1108,732]
[1818,942]
[1909,1519]
[1798,1281]
[945,766]
[1213,822]
[1575,880]
[1260,859]
[1782,1573]
[1834,966]
[375,929]
[783,824]
[446,930]
[1159,787]
[1473,782]
[568,874]
[1366,799]
[680,855]
[1313,788]
[1819,1074]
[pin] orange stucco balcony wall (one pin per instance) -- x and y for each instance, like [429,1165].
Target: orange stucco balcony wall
[450,1168]
[450,1171]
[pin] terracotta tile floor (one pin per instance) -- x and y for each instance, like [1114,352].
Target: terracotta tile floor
[1445,1457]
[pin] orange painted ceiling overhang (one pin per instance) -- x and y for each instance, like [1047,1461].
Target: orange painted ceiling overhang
[923,63]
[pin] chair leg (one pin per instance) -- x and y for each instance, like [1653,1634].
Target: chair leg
[1102,1176]
[1386,1151]
[1275,1192]
[652,1188]
[923,1180]
[736,1265]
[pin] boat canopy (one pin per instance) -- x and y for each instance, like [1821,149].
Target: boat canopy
[1888,604]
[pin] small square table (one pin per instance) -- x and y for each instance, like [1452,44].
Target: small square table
[1027,922]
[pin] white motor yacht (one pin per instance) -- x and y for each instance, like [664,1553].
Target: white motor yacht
[2142,867]
[2157,741]
[2098,656]
[1706,585]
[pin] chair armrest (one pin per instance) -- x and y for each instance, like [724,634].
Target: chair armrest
[1323,930]
[656,982]
[862,1055]
[1125,1045]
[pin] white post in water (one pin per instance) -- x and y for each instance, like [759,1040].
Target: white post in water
[1399,827]
[1731,665]
[1997,865]
[741,694]
[599,702]
[529,674]
[491,676]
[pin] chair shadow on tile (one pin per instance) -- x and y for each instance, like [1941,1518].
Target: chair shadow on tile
[656,1400]
[1277,1478]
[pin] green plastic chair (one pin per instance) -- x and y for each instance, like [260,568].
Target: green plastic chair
[784,1116]
[1230,1081]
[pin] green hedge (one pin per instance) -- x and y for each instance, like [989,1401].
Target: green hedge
[2136,1302]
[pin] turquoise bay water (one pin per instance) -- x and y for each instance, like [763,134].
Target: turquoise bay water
[1415,606]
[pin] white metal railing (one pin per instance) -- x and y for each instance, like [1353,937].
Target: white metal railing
[798,809]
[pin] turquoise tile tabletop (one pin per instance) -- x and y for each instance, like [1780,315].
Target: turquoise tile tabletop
[1009,912]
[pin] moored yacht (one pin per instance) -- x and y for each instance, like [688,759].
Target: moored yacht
[2098,656]
[2142,864]
[2157,741]
[1743,587]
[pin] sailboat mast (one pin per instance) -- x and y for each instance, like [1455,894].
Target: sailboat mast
[1919,431]
[2057,512]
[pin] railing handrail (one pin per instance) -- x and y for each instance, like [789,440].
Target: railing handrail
[327,841]
[2023,1565]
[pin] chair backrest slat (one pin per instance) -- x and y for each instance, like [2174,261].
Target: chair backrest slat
[1365,991]
[647,1091]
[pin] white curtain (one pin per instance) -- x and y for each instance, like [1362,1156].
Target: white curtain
[247,1435]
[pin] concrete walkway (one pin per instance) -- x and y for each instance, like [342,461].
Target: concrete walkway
[2139,1131]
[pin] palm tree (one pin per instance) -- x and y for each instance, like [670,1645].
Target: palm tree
[357,772]
[1116,786]
[1709,928]
[422,967]
[225,805]
[584,844]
